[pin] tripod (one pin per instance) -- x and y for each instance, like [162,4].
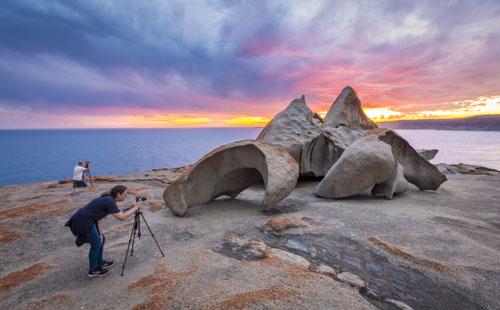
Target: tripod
[136,231]
[87,166]
[90,177]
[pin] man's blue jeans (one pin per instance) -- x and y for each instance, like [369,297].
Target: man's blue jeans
[96,246]
[79,184]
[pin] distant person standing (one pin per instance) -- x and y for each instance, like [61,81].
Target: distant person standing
[78,175]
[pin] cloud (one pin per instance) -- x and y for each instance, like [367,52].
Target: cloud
[178,57]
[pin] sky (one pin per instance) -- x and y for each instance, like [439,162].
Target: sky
[115,64]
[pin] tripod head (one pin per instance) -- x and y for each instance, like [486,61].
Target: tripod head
[137,199]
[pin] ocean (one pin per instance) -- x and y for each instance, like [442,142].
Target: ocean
[43,155]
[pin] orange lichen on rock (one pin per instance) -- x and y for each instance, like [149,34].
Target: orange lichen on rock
[161,284]
[156,205]
[281,223]
[7,235]
[293,271]
[399,252]
[51,302]
[54,207]
[153,303]
[247,299]
[16,278]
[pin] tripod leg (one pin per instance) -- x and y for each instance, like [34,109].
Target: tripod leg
[133,240]
[152,235]
[138,226]
[132,237]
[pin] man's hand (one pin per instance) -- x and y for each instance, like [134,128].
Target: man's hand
[137,205]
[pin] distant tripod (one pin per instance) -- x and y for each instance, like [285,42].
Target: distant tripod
[136,231]
[90,178]
[87,166]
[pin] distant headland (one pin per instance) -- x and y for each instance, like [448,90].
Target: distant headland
[476,123]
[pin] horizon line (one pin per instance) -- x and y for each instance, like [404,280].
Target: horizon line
[241,126]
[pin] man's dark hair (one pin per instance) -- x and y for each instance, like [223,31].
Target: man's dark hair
[118,189]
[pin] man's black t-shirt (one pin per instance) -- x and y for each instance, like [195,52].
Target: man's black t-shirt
[82,222]
[100,207]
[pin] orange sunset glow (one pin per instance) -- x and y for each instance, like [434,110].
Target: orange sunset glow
[73,65]
[458,109]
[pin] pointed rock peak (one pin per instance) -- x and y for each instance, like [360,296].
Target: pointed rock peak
[293,127]
[348,90]
[298,103]
[346,111]
[298,112]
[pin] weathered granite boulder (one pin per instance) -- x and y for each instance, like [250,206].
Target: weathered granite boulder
[317,146]
[364,164]
[417,169]
[293,128]
[346,111]
[324,150]
[344,123]
[230,169]
[368,163]
[313,145]
[427,154]
[397,184]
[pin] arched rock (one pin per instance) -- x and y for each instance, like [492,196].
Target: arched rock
[230,169]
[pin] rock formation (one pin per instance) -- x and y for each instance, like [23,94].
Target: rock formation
[324,150]
[344,123]
[346,111]
[347,148]
[467,169]
[381,161]
[316,146]
[293,128]
[427,154]
[397,184]
[366,163]
[417,170]
[230,169]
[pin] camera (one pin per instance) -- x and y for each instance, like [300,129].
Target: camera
[140,198]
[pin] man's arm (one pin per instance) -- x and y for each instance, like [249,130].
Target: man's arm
[125,215]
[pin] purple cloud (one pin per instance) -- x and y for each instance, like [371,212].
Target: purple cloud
[222,56]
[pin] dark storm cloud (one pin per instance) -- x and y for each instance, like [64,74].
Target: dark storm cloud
[106,39]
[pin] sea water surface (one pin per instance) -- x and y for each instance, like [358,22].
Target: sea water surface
[43,155]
